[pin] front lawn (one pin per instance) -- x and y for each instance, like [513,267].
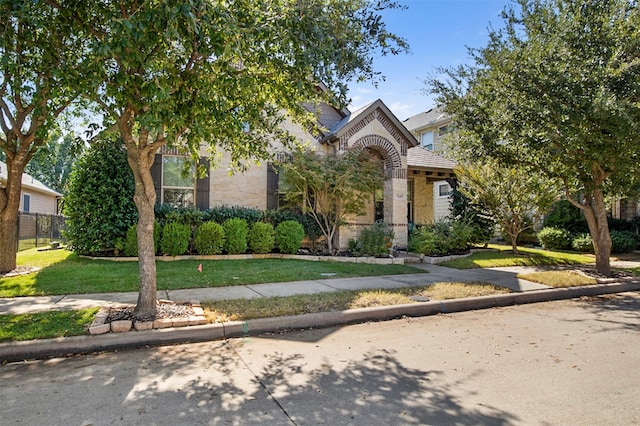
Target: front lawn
[63,272]
[501,256]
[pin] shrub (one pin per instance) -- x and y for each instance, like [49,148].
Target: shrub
[376,240]
[99,202]
[311,227]
[554,238]
[223,213]
[582,243]
[236,231]
[622,242]
[175,239]
[565,215]
[442,238]
[262,237]
[209,238]
[129,245]
[289,235]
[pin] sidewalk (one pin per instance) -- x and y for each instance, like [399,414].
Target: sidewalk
[504,277]
[524,292]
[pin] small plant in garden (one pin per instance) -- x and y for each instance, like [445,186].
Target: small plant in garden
[554,238]
[175,239]
[262,237]
[289,235]
[209,238]
[236,231]
[376,240]
[354,247]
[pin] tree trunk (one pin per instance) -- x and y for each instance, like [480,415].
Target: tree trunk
[595,212]
[9,206]
[514,243]
[144,197]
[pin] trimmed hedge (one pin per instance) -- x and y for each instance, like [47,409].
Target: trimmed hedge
[236,231]
[554,238]
[289,235]
[261,237]
[175,239]
[209,238]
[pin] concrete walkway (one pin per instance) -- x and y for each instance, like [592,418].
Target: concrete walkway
[504,277]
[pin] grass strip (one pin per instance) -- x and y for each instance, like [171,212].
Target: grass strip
[245,309]
[501,256]
[558,279]
[45,325]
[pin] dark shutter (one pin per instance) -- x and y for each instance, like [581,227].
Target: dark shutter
[202,187]
[156,175]
[272,188]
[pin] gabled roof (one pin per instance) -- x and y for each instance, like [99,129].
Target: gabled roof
[420,157]
[426,119]
[28,182]
[353,118]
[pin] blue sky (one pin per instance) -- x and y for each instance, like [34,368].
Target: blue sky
[438,32]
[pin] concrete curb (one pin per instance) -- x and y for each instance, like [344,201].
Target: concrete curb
[48,348]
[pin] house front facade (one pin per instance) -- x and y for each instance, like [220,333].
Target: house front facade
[410,170]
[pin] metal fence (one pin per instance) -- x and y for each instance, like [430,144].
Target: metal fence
[39,229]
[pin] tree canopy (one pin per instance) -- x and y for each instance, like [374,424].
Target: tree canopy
[557,91]
[223,75]
[40,50]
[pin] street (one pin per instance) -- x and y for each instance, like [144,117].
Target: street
[565,362]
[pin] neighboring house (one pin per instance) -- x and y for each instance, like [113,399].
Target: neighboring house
[35,196]
[408,193]
[429,128]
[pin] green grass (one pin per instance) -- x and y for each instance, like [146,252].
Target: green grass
[500,256]
[45,325]
[244,309]
[66,273]
[558,279]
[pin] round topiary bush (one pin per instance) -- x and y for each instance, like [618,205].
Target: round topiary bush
[289,235]
[236,232]
[582,243]
[554,238]
[210,238]
[175,239]
[261,237]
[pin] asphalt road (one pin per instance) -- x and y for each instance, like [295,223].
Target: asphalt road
[574,362]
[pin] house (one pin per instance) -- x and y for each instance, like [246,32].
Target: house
[429,128]
[35,196]
[411,171]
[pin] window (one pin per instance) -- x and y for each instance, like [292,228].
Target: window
[26,203]
[178,182]
[410,185]
[426,140]
[444,190]
[378,205]
[442,131]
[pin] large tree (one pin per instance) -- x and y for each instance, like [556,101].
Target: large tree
[224,74]
[332,188]
[39,51]
[557,90]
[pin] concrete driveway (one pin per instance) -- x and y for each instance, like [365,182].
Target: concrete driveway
[563,362]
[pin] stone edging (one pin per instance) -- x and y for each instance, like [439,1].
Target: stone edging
[100,326]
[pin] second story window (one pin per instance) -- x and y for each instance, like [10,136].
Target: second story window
[426,140]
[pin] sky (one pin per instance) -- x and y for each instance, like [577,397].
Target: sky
[438,33]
